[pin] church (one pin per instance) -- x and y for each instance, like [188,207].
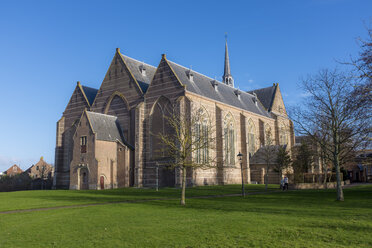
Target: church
[105,137]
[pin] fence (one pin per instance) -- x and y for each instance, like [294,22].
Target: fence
[312,178]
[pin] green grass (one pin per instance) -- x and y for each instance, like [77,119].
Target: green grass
[308,218]
[53,198]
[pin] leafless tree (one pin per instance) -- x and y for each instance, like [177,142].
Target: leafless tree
[363,63]
[362,68]
[283,160]
[343,122]
[189,143]
[269,154]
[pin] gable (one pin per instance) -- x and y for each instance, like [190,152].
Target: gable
[118,78]
[165,81]
[278,103]
[75,107]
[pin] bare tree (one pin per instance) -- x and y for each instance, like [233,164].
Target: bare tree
[362,68]
[189,142]
[330,110]
[283,160]
[269,154]
[303,158]
[363,64]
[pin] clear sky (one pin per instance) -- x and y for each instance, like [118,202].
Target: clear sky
[46,46]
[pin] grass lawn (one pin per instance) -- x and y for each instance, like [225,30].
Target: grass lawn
[308,218]
[52,198]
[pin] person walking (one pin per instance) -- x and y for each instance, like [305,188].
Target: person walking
[286,183]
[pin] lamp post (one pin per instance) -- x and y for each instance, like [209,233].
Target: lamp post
[157,176]
[240,156]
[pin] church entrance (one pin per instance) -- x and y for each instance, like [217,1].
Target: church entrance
[102,182]
[84,179]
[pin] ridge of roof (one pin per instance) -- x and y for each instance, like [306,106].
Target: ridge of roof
[225,93]
[138,61]
[133,66]
[201,74]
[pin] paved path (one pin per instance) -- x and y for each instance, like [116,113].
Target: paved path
[133,201]
[355,184]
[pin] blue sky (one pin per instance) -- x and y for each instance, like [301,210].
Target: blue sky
[46,46]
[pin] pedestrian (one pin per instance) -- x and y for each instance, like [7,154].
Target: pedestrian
[286,182]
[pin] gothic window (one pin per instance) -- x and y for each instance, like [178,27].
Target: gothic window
[229,140]
[251,138]
[159,115]
[283,140]
[201,138]
[117,106]
[268,136]
[83,144]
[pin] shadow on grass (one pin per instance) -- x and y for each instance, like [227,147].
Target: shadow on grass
[304,203]
[133,194]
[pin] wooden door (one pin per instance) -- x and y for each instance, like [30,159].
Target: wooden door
[102,182]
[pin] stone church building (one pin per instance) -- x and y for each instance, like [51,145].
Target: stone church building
[106,136]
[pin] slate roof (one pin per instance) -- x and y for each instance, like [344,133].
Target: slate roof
[134,67]
[106,127]
[202,85]
[90,93]
[265,95]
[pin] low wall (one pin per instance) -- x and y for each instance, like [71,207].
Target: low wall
[331,185]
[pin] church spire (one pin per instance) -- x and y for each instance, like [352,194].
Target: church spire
[227,77]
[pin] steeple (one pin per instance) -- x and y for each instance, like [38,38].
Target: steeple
[227,77]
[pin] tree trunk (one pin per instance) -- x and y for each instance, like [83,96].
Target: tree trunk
[336,163]
[266,177]
[340,193]
[183,194]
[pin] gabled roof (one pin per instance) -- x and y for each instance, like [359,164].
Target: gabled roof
[135,68]
[90,93]
[40,163]
[202,85]
[265,95]
[11,170]
[106,127]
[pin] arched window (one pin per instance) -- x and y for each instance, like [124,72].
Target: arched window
[117,106]
[268,136]
[283,139]
[160,112]
[251,138]
[229,137]
[201,136]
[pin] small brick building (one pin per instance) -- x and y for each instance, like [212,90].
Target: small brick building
[41,170]
[13,170]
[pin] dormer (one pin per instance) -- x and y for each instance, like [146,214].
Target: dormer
[215,85]
[190,75]
[255,98]
[142,69]
[237,93]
